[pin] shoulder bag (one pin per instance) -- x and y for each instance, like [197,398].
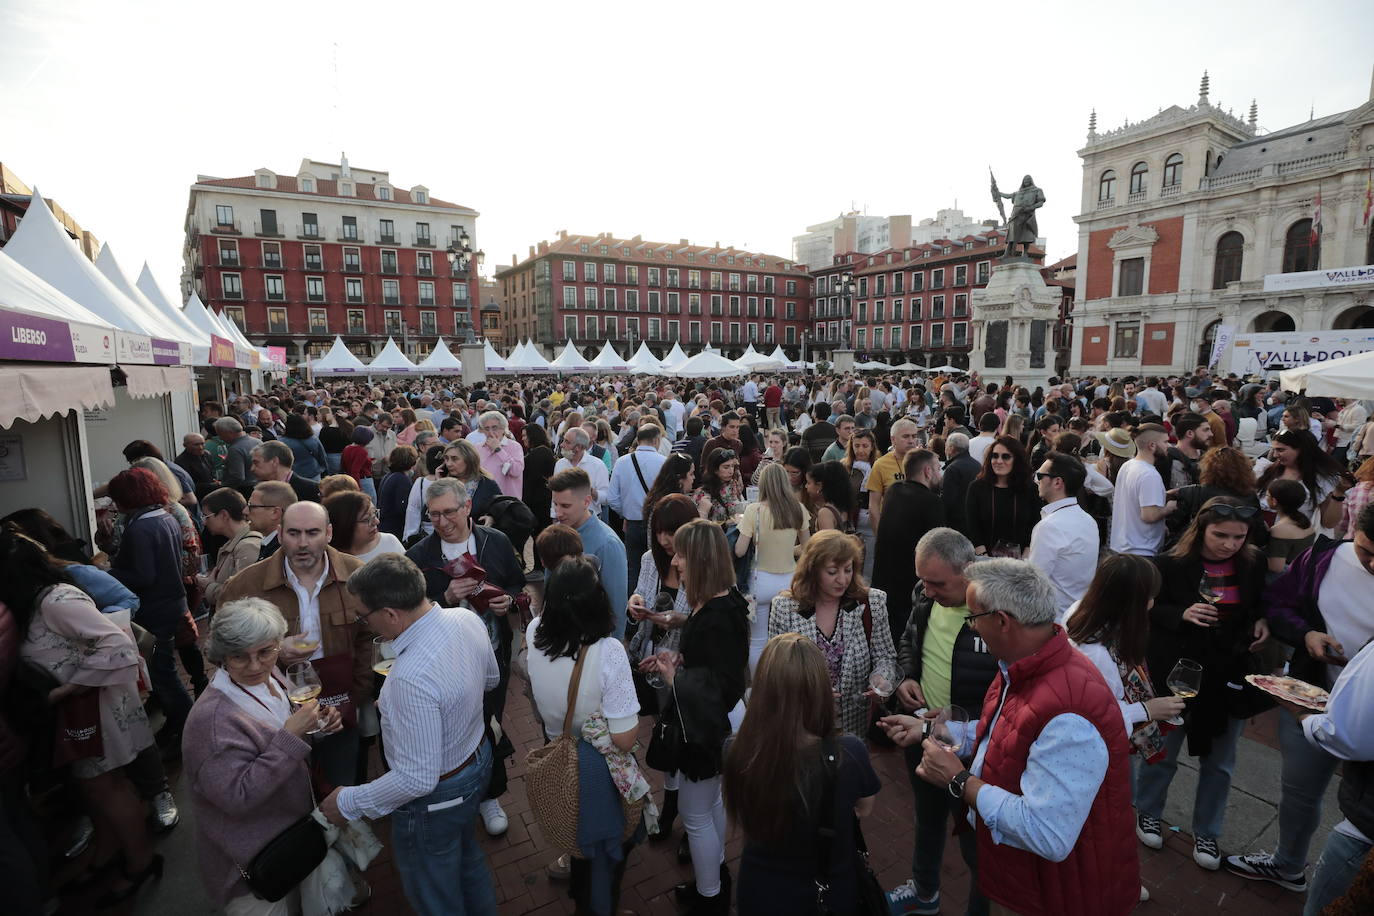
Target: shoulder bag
[551,775]
[668,740]
[871,898]
[286,860]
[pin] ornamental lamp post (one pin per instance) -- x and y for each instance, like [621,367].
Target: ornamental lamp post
[462,259]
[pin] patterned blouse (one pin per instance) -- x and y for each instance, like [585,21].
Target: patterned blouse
[725,507]
[858,656]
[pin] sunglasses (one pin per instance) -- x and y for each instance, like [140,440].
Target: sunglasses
[1042,475]
[1244,513]
[727,453]
[1001,456]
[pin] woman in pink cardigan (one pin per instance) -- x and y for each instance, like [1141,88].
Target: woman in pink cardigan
[246,755]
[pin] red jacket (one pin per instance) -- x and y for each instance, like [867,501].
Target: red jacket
[772,396]
[1101,876]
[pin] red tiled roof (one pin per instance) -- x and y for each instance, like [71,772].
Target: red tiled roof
[327,187]
[1068,263]
[572,244]
[877,262]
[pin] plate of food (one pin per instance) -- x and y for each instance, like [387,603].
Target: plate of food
[1291,690]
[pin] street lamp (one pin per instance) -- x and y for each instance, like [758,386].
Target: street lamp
[462,259]
[846,322]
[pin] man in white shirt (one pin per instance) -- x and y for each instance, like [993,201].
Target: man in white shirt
[576,446]
[1150,400]
[1064,545]
[749,392]
[987,432]
[431,706]
[1140,504]
[631,479]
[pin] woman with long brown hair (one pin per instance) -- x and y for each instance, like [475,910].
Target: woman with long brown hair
[773,787]
[1001,506]
[777,525]
[1297,455]
[1223,471]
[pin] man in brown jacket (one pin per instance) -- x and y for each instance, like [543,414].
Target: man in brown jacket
[306,580]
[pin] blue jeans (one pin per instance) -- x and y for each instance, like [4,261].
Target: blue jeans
[934,808]
[1336,868]
[1213,785]
[333,461]
[369,486]
[443,869]
[167,683]
[1307,771]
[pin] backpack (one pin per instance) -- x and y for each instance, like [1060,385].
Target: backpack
[514,519]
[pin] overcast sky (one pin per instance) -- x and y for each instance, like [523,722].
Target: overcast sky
[737,123]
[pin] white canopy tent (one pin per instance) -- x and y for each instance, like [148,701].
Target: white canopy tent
[707,365]
[338,361]
[570,360]
[391,360]
[440,360]
[609,361]
[645,362]
[752,360]
[1344,377]
[787,365]
[526,358]
[910,367]
[946,368]
[872,365]
[676,357]
[92,337]
[172,318]
[492,359]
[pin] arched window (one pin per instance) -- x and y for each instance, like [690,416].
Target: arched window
[1139,172]
[1173,170]
[1106,187]
[1300,251]
[1230,251]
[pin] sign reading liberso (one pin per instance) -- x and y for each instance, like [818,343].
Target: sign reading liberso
[1287,349]
[1308,279]
[32,337]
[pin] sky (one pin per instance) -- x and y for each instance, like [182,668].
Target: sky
[739,123]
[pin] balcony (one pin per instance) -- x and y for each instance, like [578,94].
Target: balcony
[424,241]
[319,327]
[308,231]
[357,329]
[267,231]
[391,300]
[386,238]
[277,327]
[232,227]
[1106,203]
[314,297]
[272,261]
[347,234]
[314,264]
[391,270]
[424,271]
[1171,190]
[1136,197]
[352,267]
[227,259]
[275,297]
[429,301]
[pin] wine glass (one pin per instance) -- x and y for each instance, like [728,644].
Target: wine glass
[304,686]
[383,655]
[1185,680]
[949,727]
[652,677]
[881,685]
[304,642]
[1209,588]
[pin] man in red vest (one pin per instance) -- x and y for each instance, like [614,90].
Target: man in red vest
[1049,784]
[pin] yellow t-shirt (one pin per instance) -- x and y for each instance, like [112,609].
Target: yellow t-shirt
[772,546]
[555,398]
[937,653]
[887,470]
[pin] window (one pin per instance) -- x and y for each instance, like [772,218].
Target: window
[1132,277]
[391,292]
[768,308]
[1300,249]
[314,289]
[716,279]
[608,273]
[734,305]
[590,323]
[653,276]
[896,338]
[791,287]
[674,304]
[569,326]
[276,321]
[879,308]
[863,311]
[916,331]
[918,281]
[383,193]
[313,258]
[632,300]
[861,339]
[429,325]
[863,287]
[916,308]
[350,227]
[424,263]
[751,283]
[319,323]
[353,289]
[896,310]
[631,273]
[589,271]
[392,320]
[880,285]
[694,279]
[984,269]
[937,278]
[1127,340]
[960,334]
[357,321]
[752,306]
[877,338]
[228,253]
[589,297]
[231,285]
[1230,252]
[672,330]
[961,275]
[426,292]
[1106,185]
[937,335]
[937,306]
[271,255]
[460,293]
[570,297]
[422,197]
[960,305]
[654,300]
[389,262]
[716,331]
[1139,173]
[310,225]
[734,282]
[790,310]
[1173,170]
[388,232]
[274,286]
[790,335]
[612,331]
[609,295]
[224,216]
[569,271]
[352,260]
[307,185]
[695,327]
[672,276]
[896,283]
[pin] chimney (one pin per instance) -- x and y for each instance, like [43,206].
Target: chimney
[683,242]
[343,166]
[637,239]
[562,234]
[531,253]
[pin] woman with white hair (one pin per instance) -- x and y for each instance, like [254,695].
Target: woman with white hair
[501,456]
[247,755]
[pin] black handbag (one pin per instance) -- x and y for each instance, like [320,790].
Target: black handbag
[871,898]
[286,860]
[668,740]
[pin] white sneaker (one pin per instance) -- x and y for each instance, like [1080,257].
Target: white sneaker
[165,811]
[494,820]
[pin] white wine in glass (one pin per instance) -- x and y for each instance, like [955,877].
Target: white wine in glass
[305,644]
[1184,682]
[1209,589]
[950,726]
[383,655]
[303,686]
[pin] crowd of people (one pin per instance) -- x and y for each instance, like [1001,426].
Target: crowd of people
[1041,597]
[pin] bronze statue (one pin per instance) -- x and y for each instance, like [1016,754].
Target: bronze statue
[1021,226]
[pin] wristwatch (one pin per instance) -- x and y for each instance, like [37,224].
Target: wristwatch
[956,785]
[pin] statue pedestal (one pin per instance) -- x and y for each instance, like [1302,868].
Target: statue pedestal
[473,356]
[842,361]
[1013,325]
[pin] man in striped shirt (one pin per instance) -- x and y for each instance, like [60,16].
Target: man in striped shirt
[431,710]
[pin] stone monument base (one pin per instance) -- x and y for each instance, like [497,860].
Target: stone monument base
[1013,325]
[474,359]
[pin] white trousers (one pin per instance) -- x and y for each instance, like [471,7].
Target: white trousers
[703,817]
[766,586]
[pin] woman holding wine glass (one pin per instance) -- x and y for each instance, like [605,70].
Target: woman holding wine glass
[1209,611]
[246,752]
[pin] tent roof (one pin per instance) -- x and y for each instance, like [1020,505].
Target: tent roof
[610,360]
[676,356]
[24,291]
[707,365]
[338,359]
[570,360]
[526,358]
[391,359]
[644,361]
[493,360]
[1344,377]
[440,358]
[169,317]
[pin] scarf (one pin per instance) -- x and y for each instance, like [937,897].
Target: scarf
[1148,738]
[625,772]
[258,702]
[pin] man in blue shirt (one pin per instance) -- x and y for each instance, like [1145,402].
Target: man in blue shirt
[572,506]
[631,478]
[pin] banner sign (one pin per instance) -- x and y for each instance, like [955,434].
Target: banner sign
[1260,353]
[167,353]
[277,355]
[221,352]
[42,339]
[1225,333]
[1309,279]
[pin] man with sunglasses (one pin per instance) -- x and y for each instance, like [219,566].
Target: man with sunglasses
[1065,543]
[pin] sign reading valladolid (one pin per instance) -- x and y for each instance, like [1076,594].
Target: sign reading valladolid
[1307,279]
[1287,349]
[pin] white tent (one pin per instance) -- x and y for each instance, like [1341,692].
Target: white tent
[645,362]
[391,359]
[910,367]
[676,357]
[752,360]
[338,361]
[42,246]
[91,337]
[172,318]
[1344,377]
[492,359]
[787,365]
[570,360]
[609,361]
[947,368]
[707,365]
[526,358]
[440,360]
[872,365]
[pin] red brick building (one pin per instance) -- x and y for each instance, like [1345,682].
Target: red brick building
[296,259]
[912,303]
[590,289]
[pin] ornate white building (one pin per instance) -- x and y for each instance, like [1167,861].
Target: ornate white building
[1194,220]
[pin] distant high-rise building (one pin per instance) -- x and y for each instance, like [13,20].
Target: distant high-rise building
[863,234]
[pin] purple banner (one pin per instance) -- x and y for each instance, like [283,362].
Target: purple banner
[166,352]
[33,338]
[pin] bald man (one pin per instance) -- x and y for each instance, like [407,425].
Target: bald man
[306,579]
[195,461]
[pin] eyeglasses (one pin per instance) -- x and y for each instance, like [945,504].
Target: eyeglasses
[969,618]
[261,506]
[1041,475]
[446,514]
[243,659]
[361,619]
[1238,512]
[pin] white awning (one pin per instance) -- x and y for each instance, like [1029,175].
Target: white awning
[34,392]
[151,381]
